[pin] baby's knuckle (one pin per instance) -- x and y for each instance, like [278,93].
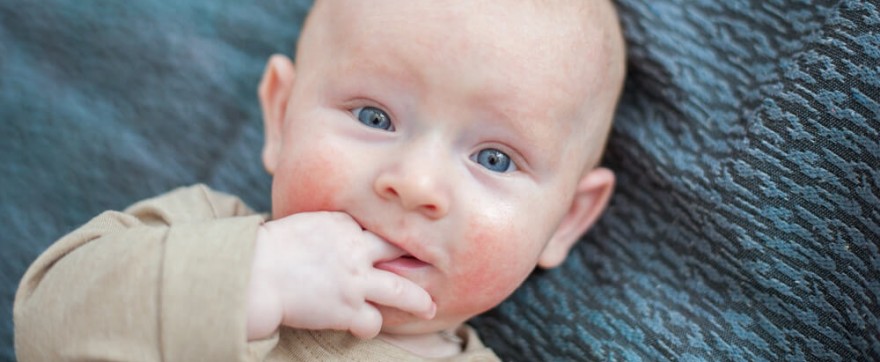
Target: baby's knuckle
[396,287]
[352,269]
[352,300]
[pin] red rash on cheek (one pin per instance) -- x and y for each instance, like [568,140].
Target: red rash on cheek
[493,266]
[309,183]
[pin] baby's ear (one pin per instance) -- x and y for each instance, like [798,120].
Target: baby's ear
[590,199]
[274,92]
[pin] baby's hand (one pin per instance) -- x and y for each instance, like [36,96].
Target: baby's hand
[315,271]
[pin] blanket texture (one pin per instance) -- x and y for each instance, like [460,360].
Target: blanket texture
[746,223]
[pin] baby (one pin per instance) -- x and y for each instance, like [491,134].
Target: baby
[425,155]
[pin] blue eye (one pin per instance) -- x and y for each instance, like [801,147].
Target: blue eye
[495,160]
[373,117]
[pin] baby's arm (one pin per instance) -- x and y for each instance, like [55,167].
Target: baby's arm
[164,280]
[169,279]
[315,271]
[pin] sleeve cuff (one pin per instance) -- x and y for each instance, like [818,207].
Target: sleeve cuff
[204,281]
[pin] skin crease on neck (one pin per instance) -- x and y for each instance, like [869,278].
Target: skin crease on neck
[538,80]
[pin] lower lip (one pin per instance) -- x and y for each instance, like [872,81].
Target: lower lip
[401,264]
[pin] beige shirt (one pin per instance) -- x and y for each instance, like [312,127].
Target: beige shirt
[165,280]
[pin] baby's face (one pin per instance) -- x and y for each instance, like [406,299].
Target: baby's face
[456,131]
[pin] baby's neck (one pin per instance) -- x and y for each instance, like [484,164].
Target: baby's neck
[429,345]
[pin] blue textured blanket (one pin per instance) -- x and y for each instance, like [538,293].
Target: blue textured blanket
[746,224]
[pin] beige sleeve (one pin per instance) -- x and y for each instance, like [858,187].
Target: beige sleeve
[165,280]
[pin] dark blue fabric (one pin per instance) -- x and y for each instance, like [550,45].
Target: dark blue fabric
[746,223]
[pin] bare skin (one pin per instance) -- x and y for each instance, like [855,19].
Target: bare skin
[420,174]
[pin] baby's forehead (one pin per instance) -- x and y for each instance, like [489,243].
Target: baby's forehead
[562,39]
[573,22]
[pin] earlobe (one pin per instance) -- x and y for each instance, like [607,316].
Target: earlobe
[589,201]
[274,93]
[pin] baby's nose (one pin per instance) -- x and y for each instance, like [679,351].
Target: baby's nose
[417,184]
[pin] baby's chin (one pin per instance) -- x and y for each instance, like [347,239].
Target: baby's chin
[396,321]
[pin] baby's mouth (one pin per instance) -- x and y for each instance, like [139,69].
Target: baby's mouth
[402,263]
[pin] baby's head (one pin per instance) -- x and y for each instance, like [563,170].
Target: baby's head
[466,133]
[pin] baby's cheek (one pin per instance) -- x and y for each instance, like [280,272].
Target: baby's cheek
[308,184]
[496,264]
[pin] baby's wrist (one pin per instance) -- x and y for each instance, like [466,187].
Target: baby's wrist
[264,310]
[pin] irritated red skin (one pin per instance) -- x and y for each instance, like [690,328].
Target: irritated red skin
[316,191]
[488,281]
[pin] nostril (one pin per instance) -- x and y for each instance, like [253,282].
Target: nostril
[413,194]
[433,211]
[388,193]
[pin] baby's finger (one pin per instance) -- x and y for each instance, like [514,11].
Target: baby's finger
[367,323]
[381,249]
[389,289]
